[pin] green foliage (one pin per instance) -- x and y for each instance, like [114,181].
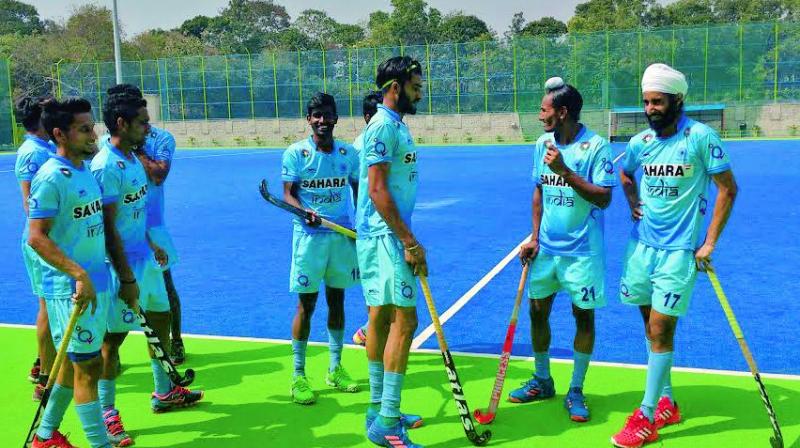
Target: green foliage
[458,27]
[195,26]
[546,26]
[19,18]
[247,25]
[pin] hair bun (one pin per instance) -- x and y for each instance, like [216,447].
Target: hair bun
[553,84]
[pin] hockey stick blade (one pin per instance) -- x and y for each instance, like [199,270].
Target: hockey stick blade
[461,403]
[263,188]
[162,357]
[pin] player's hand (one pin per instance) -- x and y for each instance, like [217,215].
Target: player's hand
[314,221]
[415,257]
[636,212]
[161,255]
[702,257]
[84,294]
[129,293]
[555,160]
[528,251]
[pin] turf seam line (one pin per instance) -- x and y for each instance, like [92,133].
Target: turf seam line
[779,376]
[464,299]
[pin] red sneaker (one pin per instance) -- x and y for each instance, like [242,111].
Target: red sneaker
[33,376]
[57,441]
[667,412]
[38,392]
[637,431]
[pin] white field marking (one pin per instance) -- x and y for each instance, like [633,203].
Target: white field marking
[210,337]
[436,204]
[616,159]
[430,330]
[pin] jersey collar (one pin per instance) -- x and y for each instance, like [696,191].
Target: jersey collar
[334,147]
[392,114]
[578,137]
[66,162]
[683,121]
[39,141]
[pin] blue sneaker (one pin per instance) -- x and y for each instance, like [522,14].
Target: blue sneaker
[575,403]
[394,437]
[533,390]
[409,421]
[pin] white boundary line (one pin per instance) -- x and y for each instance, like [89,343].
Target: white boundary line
[430,330]
[211,337]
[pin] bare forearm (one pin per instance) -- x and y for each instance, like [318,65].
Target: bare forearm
[157,171]
[536,213]
[53,255]
[387,208]
[25,187]
[597,195]
[631,190]
[116,252]
[722,211]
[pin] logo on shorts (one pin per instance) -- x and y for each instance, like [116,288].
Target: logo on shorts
[407,291]
[373,292]
[66,172]
[128,316]
[302,280]
[703,205]
[121,164]
[623,289]
[84,336]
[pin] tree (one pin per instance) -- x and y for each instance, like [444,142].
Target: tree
[546,26]
[293,39]
[247,24]
[599,15]
[517,23]
[19,18]
[457,27]
[195,26]
[345,35]
[155,44]
[316,24]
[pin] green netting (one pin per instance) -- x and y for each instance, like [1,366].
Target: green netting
[735,63]
[6,106]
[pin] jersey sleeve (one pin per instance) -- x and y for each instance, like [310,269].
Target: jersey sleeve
[45,197]
[603,166]
[714,158]
[355,164]
[537,159]
[28,164]
[110,181]
[164,148]
[289,169]
[380,144]
[630,161]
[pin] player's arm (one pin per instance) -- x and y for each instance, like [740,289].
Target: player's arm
[378,178]
[291,195]
[631,189]
[157,170]
[596,194]
[39,240]
[129,290]
[726,195]
[529,250]
[25,188]
[354,186]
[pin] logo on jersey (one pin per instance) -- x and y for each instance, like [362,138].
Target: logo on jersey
[331,198]
[67,173]
[304,153]
[660,189]
[585,146]
[121,164]
[87,210]
[608,166]
[703,205]
[687,131]
[325,182]
[559,199]
[407,291]
[668,169]
[131,198]
[342,151]
[716,151]
[553,180]
[82,193]
[32,167]
[380,147]
[32,203]
[647,138]
[411,157]
[343,168]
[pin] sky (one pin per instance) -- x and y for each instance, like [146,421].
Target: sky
[140,15]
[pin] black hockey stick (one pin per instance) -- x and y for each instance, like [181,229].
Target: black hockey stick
[161,355]
[263,188]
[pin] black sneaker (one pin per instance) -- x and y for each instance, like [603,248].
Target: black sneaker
[177,352]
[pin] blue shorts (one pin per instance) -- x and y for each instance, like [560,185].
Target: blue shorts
[152,290]
[661,278]
[583,278]
[386,278]
[318,257]
[32,266]
[87,337]
[160,236]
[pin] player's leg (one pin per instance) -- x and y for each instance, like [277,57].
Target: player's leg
[177,350]
[47,351]
[302,393]
[542,287]
[341,272]
[360,336]
[87,373]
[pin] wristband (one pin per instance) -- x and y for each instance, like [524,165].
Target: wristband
[412,248]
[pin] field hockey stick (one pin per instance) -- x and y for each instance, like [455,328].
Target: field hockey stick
[54,371]
[450,366]
[161,355]
[487,416]
[308,216]
[777,439]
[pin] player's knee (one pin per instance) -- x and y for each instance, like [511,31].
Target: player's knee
[88,372]
[661,334]
[584,320]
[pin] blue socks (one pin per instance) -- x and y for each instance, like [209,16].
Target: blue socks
[160,378]
[60,397]
[92,421]
[581,365]
[542,364]
[658,365]
[390,400]
[667,390]
[106,392]
[299,353]
[375,382]
[335,342]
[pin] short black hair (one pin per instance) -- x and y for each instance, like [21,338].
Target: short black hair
[29,111]
[130,89]
[61,114]
[371,101]
[398,68]
[320,100]
[121,105]
[567,96]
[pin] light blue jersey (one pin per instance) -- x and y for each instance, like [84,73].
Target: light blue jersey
[387,140]
[323,179]
[159,146]
[72,198]
[123,181]
[571,225]
[674,183]
[31,156]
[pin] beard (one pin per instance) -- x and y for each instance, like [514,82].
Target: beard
[405,104]
[658,122]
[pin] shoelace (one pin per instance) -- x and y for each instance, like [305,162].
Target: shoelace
[302,386]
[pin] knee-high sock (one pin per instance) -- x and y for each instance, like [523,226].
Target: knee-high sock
[92,421]
[541,361]
[390,400]
[658,365]
[299,354]
[335,344]
[581,365]
[667,390]
[57,405]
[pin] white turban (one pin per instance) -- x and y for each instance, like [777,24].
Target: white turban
[553,83]
[665,79]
